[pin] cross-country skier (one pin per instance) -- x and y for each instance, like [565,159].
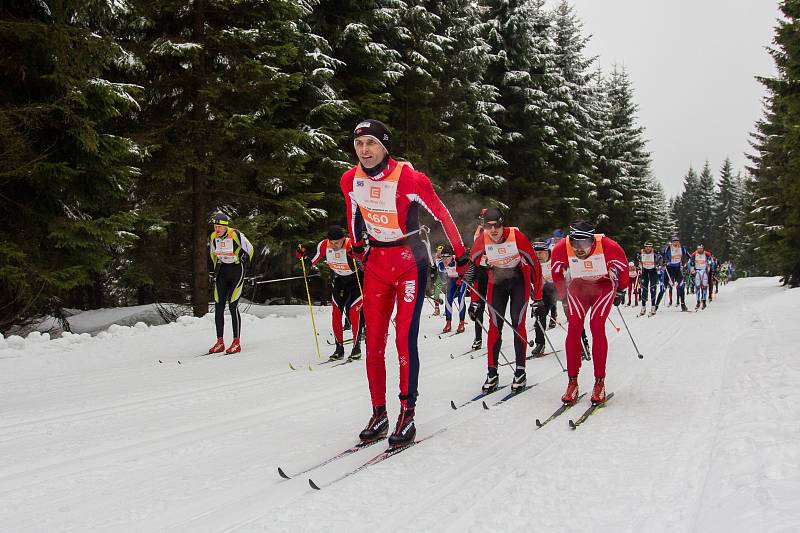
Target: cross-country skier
[231,254]
[599,271]
[558,234]
[675,255]
[346,292]
[513,270]
[649,262]
[699,266]
[454,290]
[383,197]
[633,288]
[549,299]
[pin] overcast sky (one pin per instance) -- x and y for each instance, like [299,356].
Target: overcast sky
[693,64]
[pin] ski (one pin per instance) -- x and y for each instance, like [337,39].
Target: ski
[476,398]
[452,356]
[561,410]
[529,357]
[386,454]
[509,396]
[448,335]
[589,412]
[346,341]
[345,453]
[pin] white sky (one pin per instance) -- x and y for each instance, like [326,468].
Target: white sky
[693,64]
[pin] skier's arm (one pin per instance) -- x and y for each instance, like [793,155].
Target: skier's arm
[245,250]
[322,250]
[427,198]
[355,221]
[616,260]
[558,268]
[526,251]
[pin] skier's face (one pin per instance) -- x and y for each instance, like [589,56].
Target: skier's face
[541,255]
[648,249]
[494,229]
[369,151]
[220,229]
[337,244]
[582,247]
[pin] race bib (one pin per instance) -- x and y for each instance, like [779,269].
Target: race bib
[377,201]
[503,255]
[337,261]
[649,260]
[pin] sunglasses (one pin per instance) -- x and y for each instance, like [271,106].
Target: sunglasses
[582,244]
[494,225]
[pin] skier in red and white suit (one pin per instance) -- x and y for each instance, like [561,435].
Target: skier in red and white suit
[336,250]
[598,270]
[513,270]
[383,197]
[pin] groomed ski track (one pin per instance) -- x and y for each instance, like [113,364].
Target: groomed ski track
[702,434]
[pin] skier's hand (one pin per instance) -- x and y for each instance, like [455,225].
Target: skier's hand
[300,252]
[358,252]
[462,260]
[472,311]
[619,297]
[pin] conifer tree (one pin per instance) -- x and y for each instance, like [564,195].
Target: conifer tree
[704,209]
[726,214]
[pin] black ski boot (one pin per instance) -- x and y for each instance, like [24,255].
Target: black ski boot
[538,350]
[338,353]
[492,379]
[520,380]
[683,307]
[477,344]
[552,323]
[377,427]
[405,431]
[704,304]
[355,353]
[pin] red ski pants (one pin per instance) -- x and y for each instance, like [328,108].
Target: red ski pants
[393,277]
[595,299]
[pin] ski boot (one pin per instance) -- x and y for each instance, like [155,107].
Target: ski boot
[653,311]
[235,347]
[552,323]
[599,391]
[436,309]
[355,353]
[520,380]
[377,427]
[696,307]
[338,353]
[643,311]
[571,395]
[684,308]
[461,327]
[492,379]
[704,304]
[538,350]
[218,347]
[477,344]
[447,327]
[404,431]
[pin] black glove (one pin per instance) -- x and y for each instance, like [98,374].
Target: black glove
[535,306]
[619,297]
[463,259]
[472,311]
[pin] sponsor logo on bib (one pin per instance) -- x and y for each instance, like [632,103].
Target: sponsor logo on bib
[375,192]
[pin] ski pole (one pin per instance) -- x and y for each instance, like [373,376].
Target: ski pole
[310,309]
[612,323]
[629,334]
[547,338]
[507,362]
[493,310]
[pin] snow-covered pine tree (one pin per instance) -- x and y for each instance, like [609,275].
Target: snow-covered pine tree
[686,206]
[726,212]
[65,169]
[704,211]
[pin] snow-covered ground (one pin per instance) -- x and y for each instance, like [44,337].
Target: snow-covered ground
[703,434]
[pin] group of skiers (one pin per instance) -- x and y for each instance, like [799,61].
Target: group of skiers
[381,266]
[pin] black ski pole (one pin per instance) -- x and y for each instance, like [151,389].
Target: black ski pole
[551,344]
[629,334]
[493,310]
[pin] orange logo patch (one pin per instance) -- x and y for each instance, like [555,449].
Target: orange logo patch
[587,264]
[501,251]
[375,192]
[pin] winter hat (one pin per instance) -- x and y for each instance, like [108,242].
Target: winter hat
[674,238]
[375,129]
[493,215]
[335,233]
[648,244]
[581,229]
[558,233]
[540,245]
[221,218]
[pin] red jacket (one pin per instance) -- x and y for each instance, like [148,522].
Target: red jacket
[528,263]
[616,262]
[414,189]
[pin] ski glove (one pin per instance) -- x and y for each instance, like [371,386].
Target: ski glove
[463,259]
[619,297]
[472,311]
[535,306]
[300,252]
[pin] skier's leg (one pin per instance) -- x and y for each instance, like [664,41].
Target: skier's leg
[520,294]
[462,309]
[336,310]
[497,297]
[597,323]
[448,302]
[576,313]
[379,299]
[410,290]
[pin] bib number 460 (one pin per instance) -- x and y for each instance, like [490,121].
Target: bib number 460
[378,218]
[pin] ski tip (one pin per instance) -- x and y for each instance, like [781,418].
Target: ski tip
[291,367]
[485,406]
[538,423]
[572,425]
[283,474]
[453,404]
[179,362]
[312,484]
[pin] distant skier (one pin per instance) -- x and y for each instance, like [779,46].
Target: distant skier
[599,271]
[549,298]
[346,293]
[477,307]
[454,291]
[699,266]
[675,255]
[649,261]
[633,288]
[231,254]
[513,272]
[383,197]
